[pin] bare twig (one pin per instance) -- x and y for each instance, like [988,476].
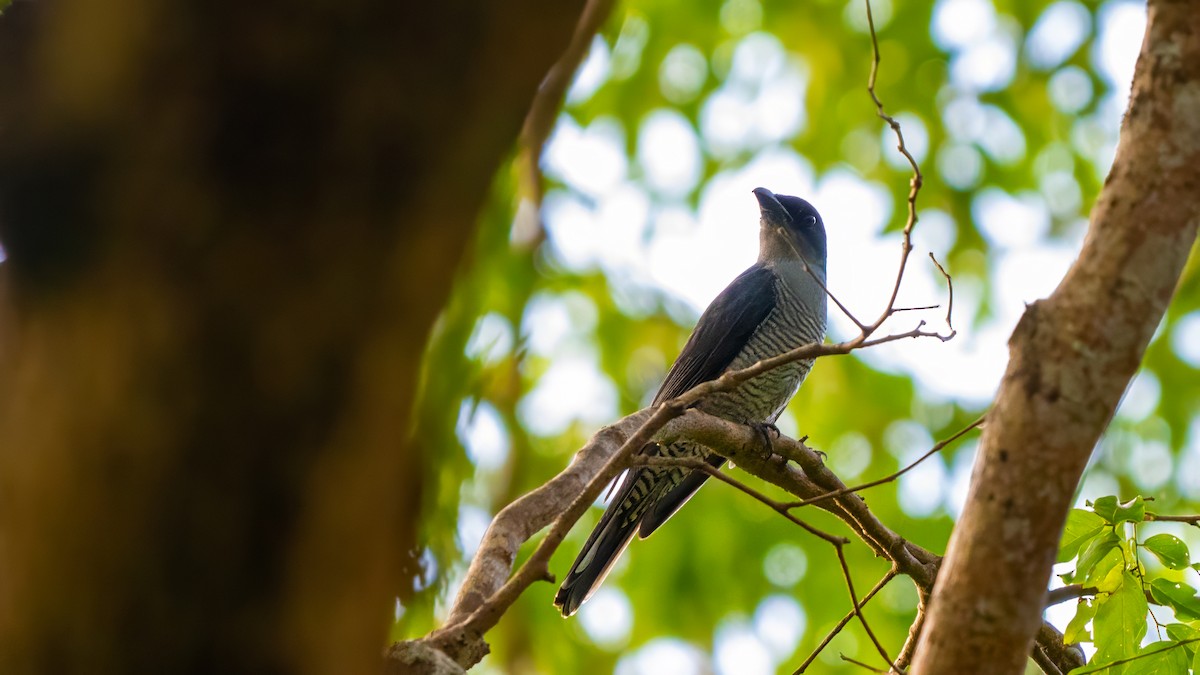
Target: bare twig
[1064,657]
[1072,592]
[543,112]
[1193,520]
[949,292]
[892,476]
[858,610]
[914,633]
[864,329]
[846,619]
[917,180]
[697,464]
[860,664]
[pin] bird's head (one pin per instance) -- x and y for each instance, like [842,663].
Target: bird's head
[791,230]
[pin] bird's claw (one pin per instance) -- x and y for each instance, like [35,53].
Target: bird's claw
[764,429]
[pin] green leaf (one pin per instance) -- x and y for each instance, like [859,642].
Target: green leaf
[1187,634]
[1077,629]
[1159,658]
[1181,632]
[1170,550]
[1095,551]
[1105,507]
[1178,596]
[1110,510]
[1120,621]
[1081,527]
[1133,511]
[1105,575]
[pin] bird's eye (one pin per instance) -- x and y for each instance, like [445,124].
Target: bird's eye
[808,221]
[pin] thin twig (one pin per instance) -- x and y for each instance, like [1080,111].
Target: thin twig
[949,291]
[1058,596]
[892,476]
[864,329]
[1158,517]
[860,664]
[914,633]
[1103,667]
[858,610]
[915,182]
[696,464]
[914,309]
[846,619]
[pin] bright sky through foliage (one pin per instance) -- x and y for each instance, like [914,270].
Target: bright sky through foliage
[651,240]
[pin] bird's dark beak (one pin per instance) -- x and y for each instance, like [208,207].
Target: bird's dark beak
[771,209]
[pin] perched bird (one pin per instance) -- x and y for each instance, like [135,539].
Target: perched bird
[776,305]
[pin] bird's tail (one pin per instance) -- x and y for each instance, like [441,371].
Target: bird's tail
[612,534]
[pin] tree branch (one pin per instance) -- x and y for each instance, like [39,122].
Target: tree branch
[892,476]
[548,100]
[1043,661]
[914,634]
[602,459]
[1072,356]
[1053,650]
[1193,520]
[1072,592]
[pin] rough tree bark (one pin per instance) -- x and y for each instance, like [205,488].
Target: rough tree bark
[1072,356]
[229,229]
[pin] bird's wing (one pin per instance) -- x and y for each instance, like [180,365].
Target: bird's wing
[722,332]
[720,335]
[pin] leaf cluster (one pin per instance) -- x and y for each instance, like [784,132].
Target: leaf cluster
[1111,566]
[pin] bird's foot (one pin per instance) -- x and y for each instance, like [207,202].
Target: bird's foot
[765,429]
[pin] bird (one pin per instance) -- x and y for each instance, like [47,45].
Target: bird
[779,303]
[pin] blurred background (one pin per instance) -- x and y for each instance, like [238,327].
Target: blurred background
[567,316]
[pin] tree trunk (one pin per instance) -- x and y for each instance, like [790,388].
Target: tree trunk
[229,228]
[1072,356]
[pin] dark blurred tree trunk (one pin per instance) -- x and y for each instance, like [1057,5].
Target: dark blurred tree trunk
[230,227]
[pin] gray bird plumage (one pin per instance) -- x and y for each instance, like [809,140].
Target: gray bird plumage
[773,307]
